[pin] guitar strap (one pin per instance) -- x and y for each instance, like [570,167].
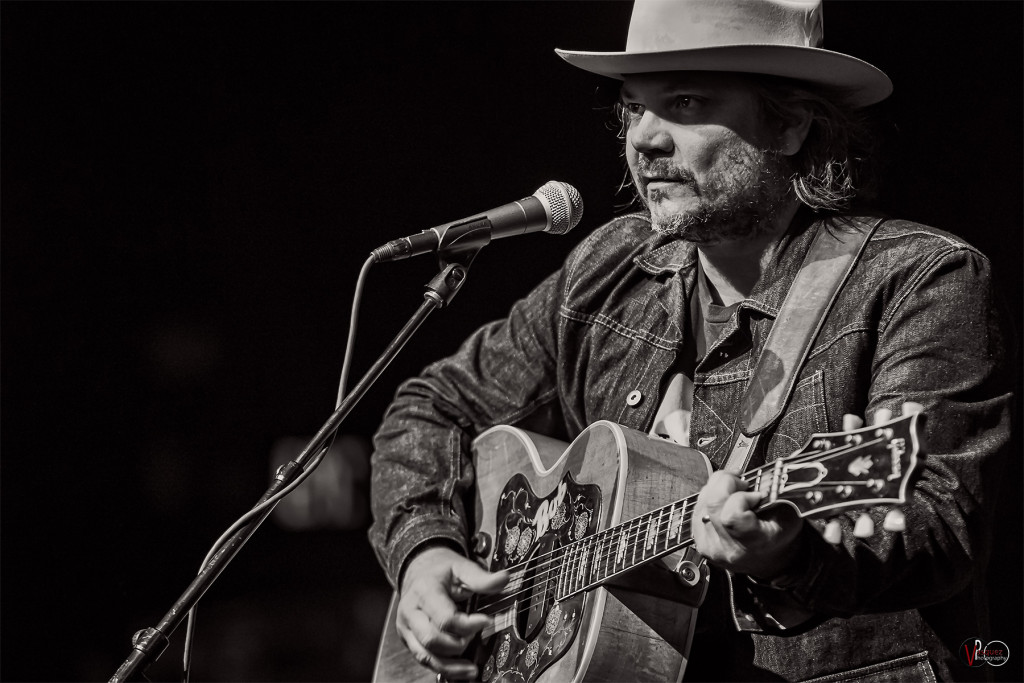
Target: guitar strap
[825,269]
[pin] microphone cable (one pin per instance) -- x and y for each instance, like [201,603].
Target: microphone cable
[271,502]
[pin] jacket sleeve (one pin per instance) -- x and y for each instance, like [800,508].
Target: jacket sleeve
[421,470]
[942,342]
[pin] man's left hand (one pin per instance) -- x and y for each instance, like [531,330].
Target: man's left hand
[764,545]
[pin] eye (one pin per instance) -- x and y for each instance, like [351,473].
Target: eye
[683,101]
[632,109]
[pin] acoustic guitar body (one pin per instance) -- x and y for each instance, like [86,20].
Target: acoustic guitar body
[536,499]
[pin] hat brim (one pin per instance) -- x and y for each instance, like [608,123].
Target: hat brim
[861,83]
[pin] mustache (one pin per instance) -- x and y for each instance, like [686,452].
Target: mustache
[664,169]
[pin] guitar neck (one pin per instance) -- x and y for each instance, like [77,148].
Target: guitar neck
[858,468]
[833,472]
[609,553]
[582,565]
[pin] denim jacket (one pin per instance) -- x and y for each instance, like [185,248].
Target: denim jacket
[916,321]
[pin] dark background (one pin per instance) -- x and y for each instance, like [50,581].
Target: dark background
[188,193]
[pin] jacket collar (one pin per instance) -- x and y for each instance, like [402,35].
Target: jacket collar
[665,254]
[671,255]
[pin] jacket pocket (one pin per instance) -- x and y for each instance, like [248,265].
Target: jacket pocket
[911,668]
[804,415]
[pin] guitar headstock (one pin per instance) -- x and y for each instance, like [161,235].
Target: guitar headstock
[859,468]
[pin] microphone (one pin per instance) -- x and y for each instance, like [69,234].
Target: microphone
[555,207]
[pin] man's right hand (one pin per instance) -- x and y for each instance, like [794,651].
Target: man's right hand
[430,622]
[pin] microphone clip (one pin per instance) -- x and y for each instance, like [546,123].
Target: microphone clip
[458,246]
[461,242]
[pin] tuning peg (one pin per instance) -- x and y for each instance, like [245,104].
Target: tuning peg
[833,532]
[895,520]
[912,408]
[852,422]
[864,528]
[881,415]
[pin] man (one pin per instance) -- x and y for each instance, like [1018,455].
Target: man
[744,144]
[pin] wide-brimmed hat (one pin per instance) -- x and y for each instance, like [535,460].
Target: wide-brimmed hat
[775,37]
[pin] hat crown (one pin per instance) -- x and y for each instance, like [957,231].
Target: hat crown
[773,37]
[666,25]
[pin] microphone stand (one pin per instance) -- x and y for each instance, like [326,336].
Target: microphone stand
[454,258]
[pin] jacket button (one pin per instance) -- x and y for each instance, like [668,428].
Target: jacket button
[634,398]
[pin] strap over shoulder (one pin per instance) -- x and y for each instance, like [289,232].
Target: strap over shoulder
[825,269]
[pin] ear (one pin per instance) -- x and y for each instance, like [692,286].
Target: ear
[794,131]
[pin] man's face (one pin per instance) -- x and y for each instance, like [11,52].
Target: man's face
[697,149]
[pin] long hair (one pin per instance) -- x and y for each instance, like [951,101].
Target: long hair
[836,166]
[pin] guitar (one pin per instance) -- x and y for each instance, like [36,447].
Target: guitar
[570,522]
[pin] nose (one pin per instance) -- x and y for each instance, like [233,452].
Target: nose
[650,134]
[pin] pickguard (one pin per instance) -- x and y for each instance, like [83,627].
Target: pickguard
[534,530]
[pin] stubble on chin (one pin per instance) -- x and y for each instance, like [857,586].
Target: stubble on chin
[739,198]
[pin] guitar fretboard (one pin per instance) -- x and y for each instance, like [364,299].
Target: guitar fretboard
[603,555]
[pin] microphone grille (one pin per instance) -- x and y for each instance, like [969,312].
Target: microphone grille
[565,203]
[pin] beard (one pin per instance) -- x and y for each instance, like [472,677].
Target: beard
[739,197]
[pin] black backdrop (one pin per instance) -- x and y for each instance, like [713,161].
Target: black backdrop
[188,193]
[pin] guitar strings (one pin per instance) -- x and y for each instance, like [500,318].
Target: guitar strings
[548,567]
[550,574]
[604,544]
[606,548]
[553,562]
[750,477]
